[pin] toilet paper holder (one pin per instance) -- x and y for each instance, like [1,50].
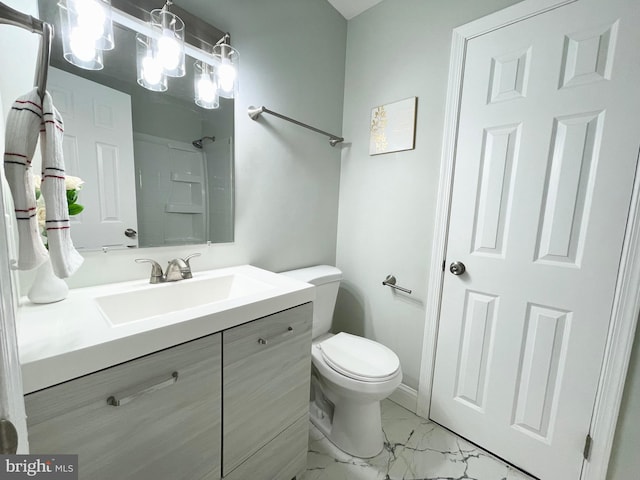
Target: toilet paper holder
[390,281]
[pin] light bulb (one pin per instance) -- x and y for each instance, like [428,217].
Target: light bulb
[90,17]
[206,90]
[169,50]
[151,70]
[82,44]
[227,75]
[89,9]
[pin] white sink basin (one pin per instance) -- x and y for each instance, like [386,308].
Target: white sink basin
[161,299]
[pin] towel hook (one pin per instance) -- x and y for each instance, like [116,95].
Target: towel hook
[390,281]
[44,57]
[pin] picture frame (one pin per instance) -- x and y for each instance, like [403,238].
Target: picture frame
[393,127]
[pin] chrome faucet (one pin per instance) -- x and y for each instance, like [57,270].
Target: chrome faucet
[156,270]
[177,269]
[185,266]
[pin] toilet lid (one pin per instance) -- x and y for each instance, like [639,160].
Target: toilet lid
[359,358]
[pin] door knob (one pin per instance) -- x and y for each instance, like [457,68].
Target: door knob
[130,232]
[457,268]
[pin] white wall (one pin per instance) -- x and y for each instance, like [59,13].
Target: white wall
[397,49]
[292,61]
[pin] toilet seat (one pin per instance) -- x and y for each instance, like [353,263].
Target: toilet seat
[359,358]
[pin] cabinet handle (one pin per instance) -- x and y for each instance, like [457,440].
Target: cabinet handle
[265,341]
[122,398]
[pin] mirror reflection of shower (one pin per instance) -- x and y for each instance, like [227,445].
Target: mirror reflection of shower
[198,143]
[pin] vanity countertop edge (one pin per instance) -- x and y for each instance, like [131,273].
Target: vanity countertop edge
[68,339]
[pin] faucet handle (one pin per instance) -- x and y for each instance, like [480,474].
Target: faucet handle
[189,257]
[156,270]
[187,273]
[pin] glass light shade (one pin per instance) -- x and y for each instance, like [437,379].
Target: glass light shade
[86,31]
[150,73]
[95,15]
[205,86]
[168,41]
[227,72]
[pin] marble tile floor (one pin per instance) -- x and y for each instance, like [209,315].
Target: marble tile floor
[414,449]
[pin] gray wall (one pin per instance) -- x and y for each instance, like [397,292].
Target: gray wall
[625,461]
[397,49]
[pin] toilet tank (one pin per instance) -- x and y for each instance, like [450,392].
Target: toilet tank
[326,280]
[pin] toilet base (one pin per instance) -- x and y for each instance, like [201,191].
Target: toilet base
[353,427]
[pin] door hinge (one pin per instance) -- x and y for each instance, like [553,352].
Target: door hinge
[587,446]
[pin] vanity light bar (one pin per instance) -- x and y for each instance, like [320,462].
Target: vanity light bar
[140,26]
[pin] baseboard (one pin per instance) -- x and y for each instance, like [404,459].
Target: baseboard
[406,397]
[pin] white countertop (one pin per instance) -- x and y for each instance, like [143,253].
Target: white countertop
[65,340]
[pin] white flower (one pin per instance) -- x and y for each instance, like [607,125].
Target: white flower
[36,181]
[73,183]
[41,213]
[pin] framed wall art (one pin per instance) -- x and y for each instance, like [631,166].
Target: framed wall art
[393,127]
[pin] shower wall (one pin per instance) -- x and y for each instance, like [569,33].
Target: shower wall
[218,157]
[171,192]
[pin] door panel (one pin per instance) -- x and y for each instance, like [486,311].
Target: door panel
[545,162]
[98,147]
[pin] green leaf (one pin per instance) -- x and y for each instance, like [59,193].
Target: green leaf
[72,196]
[37,194]
[75,208]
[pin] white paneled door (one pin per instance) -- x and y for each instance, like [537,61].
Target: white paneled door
[548,139]
[98,147]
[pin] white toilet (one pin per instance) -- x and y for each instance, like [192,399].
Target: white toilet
[350,374]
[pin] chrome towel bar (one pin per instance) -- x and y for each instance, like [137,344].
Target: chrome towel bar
[255,112]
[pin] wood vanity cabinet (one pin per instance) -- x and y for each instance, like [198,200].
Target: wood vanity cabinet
[265,390]
[165,428]
[233,404]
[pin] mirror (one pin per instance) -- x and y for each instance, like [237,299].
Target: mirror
[158,169]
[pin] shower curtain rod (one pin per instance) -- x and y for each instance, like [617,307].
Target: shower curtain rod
[9,16]
[255,112]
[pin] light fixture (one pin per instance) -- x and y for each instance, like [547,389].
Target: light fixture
[227,72]
[168,40]
[87,30]
[205,86]
[150,72]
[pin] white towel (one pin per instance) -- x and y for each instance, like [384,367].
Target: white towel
[23,127]
[25,121]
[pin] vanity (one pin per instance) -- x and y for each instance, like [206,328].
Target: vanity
[217,389]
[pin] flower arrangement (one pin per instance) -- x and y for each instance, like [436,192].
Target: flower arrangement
[72,185]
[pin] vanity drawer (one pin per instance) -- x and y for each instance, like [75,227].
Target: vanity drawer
[282,458]
[163,428]
[266,372]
